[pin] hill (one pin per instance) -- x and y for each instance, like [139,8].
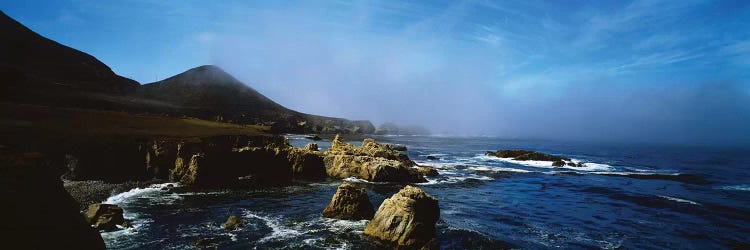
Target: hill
[36,70]
[29,60]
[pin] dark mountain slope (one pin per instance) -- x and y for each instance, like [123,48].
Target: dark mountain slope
[210,88]
[210,93]
[29,60]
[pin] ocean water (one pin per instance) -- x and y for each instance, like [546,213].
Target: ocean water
[626,196]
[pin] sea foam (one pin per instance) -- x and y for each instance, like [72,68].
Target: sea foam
[137,192]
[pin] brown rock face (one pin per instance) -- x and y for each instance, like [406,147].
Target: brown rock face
[257,164]
[407,218]
[104,216]
[349,203]
[371,161]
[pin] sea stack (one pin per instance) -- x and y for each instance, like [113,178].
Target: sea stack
[406,219]
[349,203]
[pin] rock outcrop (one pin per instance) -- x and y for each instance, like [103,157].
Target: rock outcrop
[160,158]
[105,216]
[349,203]
[311,146]
[233,223]
[526,155]
[427,171]
[371,161]
[407,219]
[258,163]
[397,147]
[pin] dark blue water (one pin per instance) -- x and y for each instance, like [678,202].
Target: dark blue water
[625,196]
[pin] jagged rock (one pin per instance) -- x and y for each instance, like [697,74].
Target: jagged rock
[432,158]
[105,216]
[427,171]
[190,174]
[311,146]
[233,223]
[407,218]
[371,161]
[349,203]
[558,163]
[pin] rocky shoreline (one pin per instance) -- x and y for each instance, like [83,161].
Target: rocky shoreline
[89,175]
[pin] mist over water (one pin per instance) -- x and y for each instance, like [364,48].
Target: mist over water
[420,74]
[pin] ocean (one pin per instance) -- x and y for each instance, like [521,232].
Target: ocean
[630,196]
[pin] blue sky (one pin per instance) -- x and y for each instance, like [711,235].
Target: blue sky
[672,71]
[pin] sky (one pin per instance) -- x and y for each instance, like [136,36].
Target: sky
[632,71]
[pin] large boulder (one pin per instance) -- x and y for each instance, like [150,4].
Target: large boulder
[407,219]
[371,161]
[104,216]
[349,203]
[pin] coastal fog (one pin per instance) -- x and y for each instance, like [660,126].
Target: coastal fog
[643,71]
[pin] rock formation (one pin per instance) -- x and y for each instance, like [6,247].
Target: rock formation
[371,161]
[427,171]
[349,203]
[526,155]
[105,216]
[233,223]
[257,163]
[406,219]
[311,146]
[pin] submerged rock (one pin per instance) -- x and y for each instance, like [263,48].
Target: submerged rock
[371,161]
[105,216]
[233,223]
[349,203]
[407,218]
